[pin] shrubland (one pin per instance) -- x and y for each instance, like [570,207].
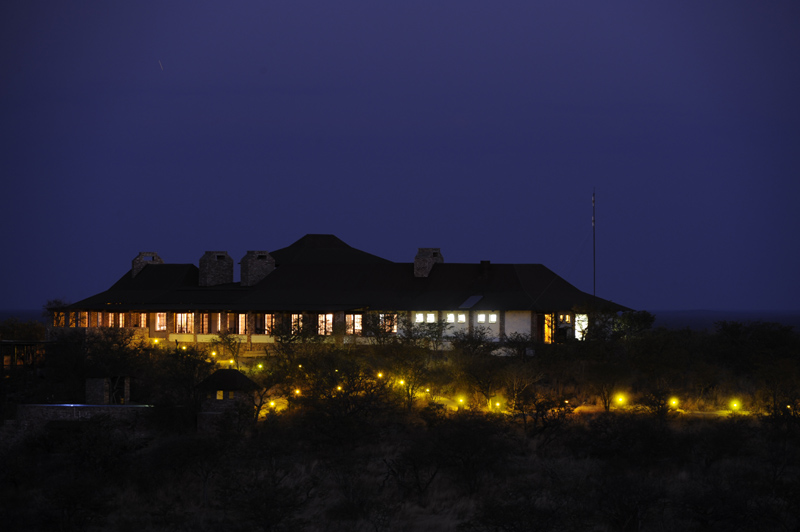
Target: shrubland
[406,435]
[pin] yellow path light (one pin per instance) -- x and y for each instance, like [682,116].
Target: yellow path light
[402,382]
[297,391]
[735,404]
[380,375]
[673,402]
[619,399]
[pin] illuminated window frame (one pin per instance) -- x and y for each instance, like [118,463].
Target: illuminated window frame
[462,318]
[419,317]
[297,323]
[451,317]
[353,324]
[388,322]
[269,323]
[161,321]
[325,324]
[184,322]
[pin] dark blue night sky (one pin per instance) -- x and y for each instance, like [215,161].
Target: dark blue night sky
[478,127]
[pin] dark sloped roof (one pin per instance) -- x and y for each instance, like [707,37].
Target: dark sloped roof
[323,249]
[228,379]
[322,273]
[148,289]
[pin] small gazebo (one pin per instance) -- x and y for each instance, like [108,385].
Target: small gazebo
[225,389]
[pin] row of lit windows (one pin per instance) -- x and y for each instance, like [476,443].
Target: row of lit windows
[453,317]
[211,323]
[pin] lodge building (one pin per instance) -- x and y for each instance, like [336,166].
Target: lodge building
[321,286]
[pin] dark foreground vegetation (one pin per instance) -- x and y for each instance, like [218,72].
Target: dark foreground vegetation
[378,438]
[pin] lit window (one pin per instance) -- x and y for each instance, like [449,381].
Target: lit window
[462,318]
[220,395]
[325,324]
[581,326]
[481,318]
[58,319]
[492,318]
[549,328]
[353,324]
[83,319]
[430,317]
[161,321]
[242,324]
[184,323]
[451,318]
[418,317]
[269,323]
[143,319]
[297,323]
[121,319]
[388,322]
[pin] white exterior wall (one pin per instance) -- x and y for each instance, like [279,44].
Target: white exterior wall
[518,321]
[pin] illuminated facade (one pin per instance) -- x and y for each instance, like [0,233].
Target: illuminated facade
[321,286]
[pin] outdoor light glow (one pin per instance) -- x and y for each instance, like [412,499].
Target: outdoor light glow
[620,399]
[339,388]
[497,404]
[213,353]
[427,389]
[297,392]
[735,405]
[402,381]
[184,348]
[380,375]
[155,341]
[460,400]
[673,402]
[272,403]
[260,366]
[231,361]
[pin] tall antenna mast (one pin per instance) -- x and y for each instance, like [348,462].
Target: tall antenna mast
[594,252]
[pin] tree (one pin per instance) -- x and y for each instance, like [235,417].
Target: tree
[228,343]
[474,362]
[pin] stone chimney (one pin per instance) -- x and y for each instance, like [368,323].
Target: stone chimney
[216,267]
[143,259]
[255,266]
[425,259]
